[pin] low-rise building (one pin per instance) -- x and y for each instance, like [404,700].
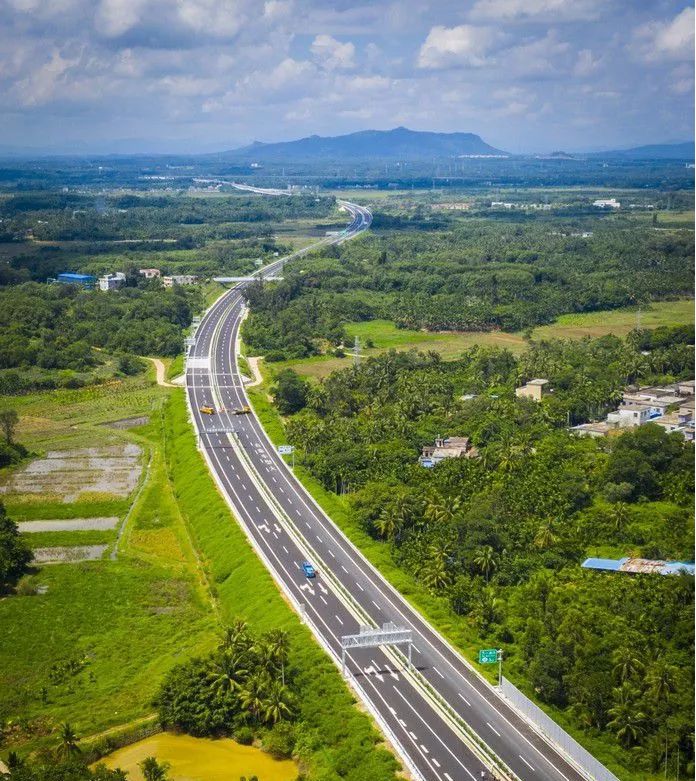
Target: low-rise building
[112,281]
[640,566]
[150,273]
[630,415]
[686,411]
[450,447]
[179,279]
[595,430]
[607,203]
[71,278]
[534,389]
[685,388]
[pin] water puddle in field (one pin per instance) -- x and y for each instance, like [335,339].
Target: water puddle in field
[201,759]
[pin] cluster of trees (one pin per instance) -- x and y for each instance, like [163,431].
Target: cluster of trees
[500,537]
[15,554]
[57,327]
[57,216]
[471,277]
[243,686]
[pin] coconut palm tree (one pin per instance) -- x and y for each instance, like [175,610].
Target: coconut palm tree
[545,538]
[68,741]
[253,695]
[627,719]
[279,641]
[235,635]
[435,573]
[485,561]
[228,671]
[661,680]
[627,664]
[277,703]
[153,770]
[619,516]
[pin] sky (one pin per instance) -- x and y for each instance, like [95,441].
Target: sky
[208,75]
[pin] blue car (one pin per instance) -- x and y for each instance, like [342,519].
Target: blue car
[309,570]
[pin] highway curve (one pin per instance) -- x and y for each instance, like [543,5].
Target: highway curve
[445,721]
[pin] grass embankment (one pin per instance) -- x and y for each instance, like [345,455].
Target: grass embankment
[92,649]
[437,610]
[343,742]
[384,335]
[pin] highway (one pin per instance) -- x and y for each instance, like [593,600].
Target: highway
[444,720]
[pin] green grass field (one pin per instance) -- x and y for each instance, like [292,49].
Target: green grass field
[120,624]
[386,336]
[618,321]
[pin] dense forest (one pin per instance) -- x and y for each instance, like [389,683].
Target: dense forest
[500,537]
[58,335]
[476,276]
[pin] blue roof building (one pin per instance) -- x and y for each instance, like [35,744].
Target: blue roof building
[71,278]
[640,566]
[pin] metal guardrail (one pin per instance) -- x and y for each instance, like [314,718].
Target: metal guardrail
[582,758]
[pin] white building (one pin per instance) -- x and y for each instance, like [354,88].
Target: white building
[112,281]
[149,273]
[607,203]
[179,279]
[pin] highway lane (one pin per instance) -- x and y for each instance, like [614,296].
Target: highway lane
[467,695]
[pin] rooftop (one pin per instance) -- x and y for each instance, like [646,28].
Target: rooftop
[640,566]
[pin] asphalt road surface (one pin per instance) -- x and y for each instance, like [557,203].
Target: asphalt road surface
[437,716]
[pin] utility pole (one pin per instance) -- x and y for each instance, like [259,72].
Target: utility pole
[500,668]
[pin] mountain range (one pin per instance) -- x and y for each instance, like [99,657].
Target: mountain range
[397,144]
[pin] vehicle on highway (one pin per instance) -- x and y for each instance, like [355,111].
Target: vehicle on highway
[308,570]
[206,410]
[245,410]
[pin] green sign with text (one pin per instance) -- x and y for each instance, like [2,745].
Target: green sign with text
[488,656]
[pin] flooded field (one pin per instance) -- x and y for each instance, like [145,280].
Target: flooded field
[69,525]
[68,475]
[68,554]
[201,759]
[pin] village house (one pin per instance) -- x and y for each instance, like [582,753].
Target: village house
[534,389]
[179,279]
[150,273]
[450,447]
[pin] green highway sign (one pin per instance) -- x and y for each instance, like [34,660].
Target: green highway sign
[488,656]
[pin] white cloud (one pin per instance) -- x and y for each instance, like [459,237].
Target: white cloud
[332,54]
[277,9]
[586,63]
[553,10]
[116,17]
[669,40]
[464,45]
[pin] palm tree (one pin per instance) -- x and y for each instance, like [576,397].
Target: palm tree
[68,741]
[277,703]
[153,770]
[661,680]
[627,664]
[387,523]
[435,573]
[485,609]
[228,671]
[485,561]
[545,537]
[279,640]
[627,719]
[620,517]
[253,694]
[235,635]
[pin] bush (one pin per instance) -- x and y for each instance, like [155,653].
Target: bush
[279,742]
[275,356]
[244,735]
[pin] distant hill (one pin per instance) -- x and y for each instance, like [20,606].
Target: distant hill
[397,144]
[681,151]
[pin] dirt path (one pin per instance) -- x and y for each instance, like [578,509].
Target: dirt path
[254,366]
[161,373]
